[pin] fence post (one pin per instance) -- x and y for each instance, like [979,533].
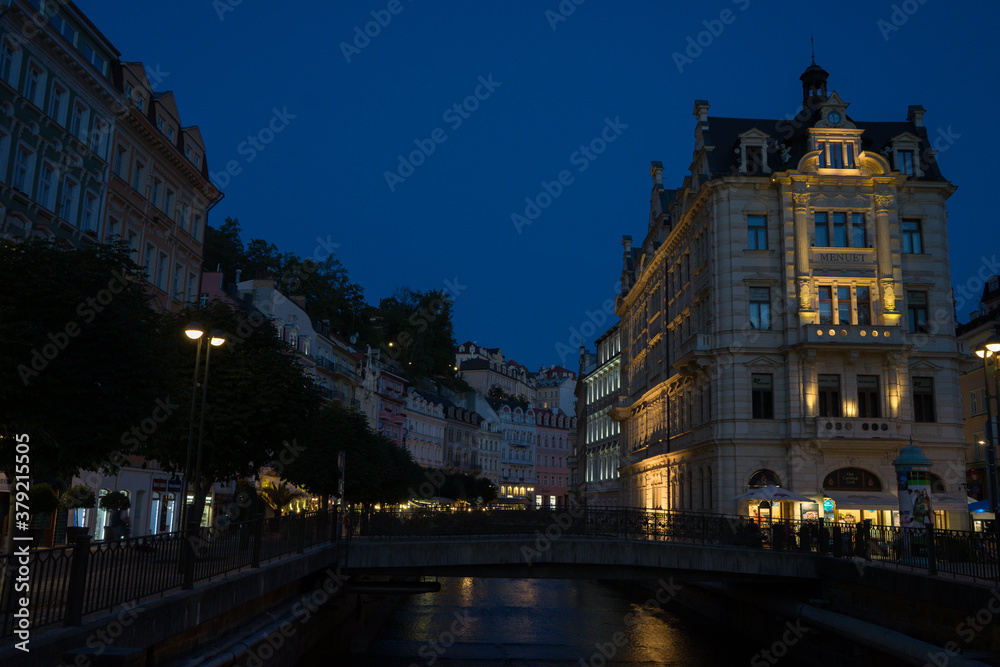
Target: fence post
[192,554]
[77,581]
[258,530]
[866,539]
[300,546]
[931,553]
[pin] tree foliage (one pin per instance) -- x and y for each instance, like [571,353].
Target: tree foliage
[258,395]
[80,354]
[419,325]
[321,278]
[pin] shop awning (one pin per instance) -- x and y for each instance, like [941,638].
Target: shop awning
[950,502]
[864,500]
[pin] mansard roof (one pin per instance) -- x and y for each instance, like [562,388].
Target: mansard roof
[724,134]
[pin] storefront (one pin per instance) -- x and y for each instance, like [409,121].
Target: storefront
[853,495]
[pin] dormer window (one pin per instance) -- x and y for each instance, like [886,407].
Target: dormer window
[905,163]
[836,154]
[752,153]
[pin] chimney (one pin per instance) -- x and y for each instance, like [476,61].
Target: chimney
[627,242]
[299,300]
[239,272]
[915,114]
[656,171]
[701,112]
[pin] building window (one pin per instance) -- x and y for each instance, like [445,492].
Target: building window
[836,154]
[923,399]
[913,241]
[112,228]
[843,305]
[916,311]
[24,163]
[159,124]
[78,127]
[864,305]
[119,160]
[31,83]
[64,28]
[140,102]
[6,60]
[869,405]
[829,396]
[155,193]
[755,160]
[196,228]
[148,262]
[68,205]
[825,299]
[905,162]
[168,203]
[89,222]
[973,403]
[170,133]
[128,91]
[97,138]
[762,389]
[190,287]
[160,267]
[57,103]
[859,239]
[757,232]
[178,271]
[760,308]
[137,176]
[46,183]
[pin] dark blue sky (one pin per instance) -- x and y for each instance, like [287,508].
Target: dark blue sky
[448,224]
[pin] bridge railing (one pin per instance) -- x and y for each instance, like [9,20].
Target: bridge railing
[66,583]
[618,522]
[959,553]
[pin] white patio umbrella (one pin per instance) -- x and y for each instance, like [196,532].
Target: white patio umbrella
[773,493]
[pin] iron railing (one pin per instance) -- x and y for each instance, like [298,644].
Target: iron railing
[68,582]
[951,552]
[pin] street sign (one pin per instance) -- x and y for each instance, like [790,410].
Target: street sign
[173,485]
[159,484]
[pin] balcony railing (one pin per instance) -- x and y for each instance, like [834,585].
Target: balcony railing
[852,334]
[856,427]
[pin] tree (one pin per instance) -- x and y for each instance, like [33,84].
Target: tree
[258,397]
[419,325]
[81,357]
[224,248]
[278,496]
[314,465]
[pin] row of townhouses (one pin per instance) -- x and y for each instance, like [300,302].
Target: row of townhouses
[788,319]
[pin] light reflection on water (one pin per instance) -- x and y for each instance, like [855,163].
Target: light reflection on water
[474,621]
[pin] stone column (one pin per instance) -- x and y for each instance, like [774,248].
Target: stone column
[807,303]
[883,244]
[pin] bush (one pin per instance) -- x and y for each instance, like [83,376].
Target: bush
[43,499]
[115,501]
[80,496]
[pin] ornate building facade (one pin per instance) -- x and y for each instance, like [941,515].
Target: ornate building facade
[788,317]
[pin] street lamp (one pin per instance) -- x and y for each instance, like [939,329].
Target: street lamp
[984,351]
[194,331]
[216,338]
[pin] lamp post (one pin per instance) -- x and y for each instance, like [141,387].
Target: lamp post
[194,331]
[216,338]
[988,349]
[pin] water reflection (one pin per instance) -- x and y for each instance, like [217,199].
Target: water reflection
[475,621]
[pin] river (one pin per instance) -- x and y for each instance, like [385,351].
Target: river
[489,622]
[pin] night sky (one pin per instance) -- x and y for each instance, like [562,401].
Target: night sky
[548,83]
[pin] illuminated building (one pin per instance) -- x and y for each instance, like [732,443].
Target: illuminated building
[788,317]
